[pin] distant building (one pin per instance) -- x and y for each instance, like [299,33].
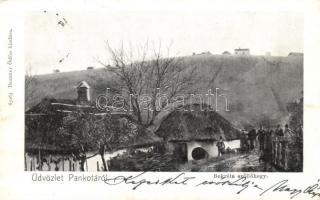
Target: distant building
[226,53]
[202,53]
[295,54]
[56,71]
[206,53]
[240,51]
[90,67]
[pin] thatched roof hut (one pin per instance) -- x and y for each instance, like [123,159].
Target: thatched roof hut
[196,123]
[44,121]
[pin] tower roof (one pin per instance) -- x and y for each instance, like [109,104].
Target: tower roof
[83,84]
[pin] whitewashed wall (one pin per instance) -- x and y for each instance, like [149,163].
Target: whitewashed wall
[233,144]
[91,164]
[210,147]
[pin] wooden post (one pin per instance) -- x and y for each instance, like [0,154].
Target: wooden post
[25,162]
[31,165]
[49,162]
[273,152]
[276,146]
[279,154]
[35,163]
[282,155]
[286,156]
[62,163]
[39,158]
[70,167]
[107,164]
[98,169]
[276,153]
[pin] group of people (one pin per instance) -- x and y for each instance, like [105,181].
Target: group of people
[263,138]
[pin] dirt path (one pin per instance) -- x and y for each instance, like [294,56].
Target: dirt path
[247,162]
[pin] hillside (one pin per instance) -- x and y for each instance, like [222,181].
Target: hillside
[256,87]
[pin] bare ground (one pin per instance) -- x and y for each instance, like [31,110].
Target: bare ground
[240,162]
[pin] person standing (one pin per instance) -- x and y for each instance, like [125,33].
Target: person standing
[261,137]
[244,141]
[288,134]
[279,131]
[252,138]
[221,146]
[268,146]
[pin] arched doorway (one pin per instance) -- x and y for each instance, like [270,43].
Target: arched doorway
[199,153]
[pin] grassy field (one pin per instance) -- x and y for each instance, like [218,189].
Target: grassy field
[257,87]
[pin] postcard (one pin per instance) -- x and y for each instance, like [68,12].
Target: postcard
[159,99]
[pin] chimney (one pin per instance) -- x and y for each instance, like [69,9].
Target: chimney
[83,90]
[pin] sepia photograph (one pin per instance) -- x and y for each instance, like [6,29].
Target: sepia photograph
[164,91]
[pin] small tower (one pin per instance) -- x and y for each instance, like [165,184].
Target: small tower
[83,90]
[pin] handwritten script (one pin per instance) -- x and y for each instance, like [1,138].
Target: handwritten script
[242,184]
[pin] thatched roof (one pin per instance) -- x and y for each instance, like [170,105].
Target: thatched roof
[186,125]
[52,106]
[144,138]
[43,121]
[35,146]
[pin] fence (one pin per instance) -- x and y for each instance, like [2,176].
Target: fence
[280,153]
[34,162]
[287,154]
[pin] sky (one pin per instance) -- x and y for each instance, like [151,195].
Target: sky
[81,41]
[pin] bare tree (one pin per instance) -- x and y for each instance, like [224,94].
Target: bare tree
[84,132]
[99,133]
[151,75]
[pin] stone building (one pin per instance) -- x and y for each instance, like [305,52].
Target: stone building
[242,52]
